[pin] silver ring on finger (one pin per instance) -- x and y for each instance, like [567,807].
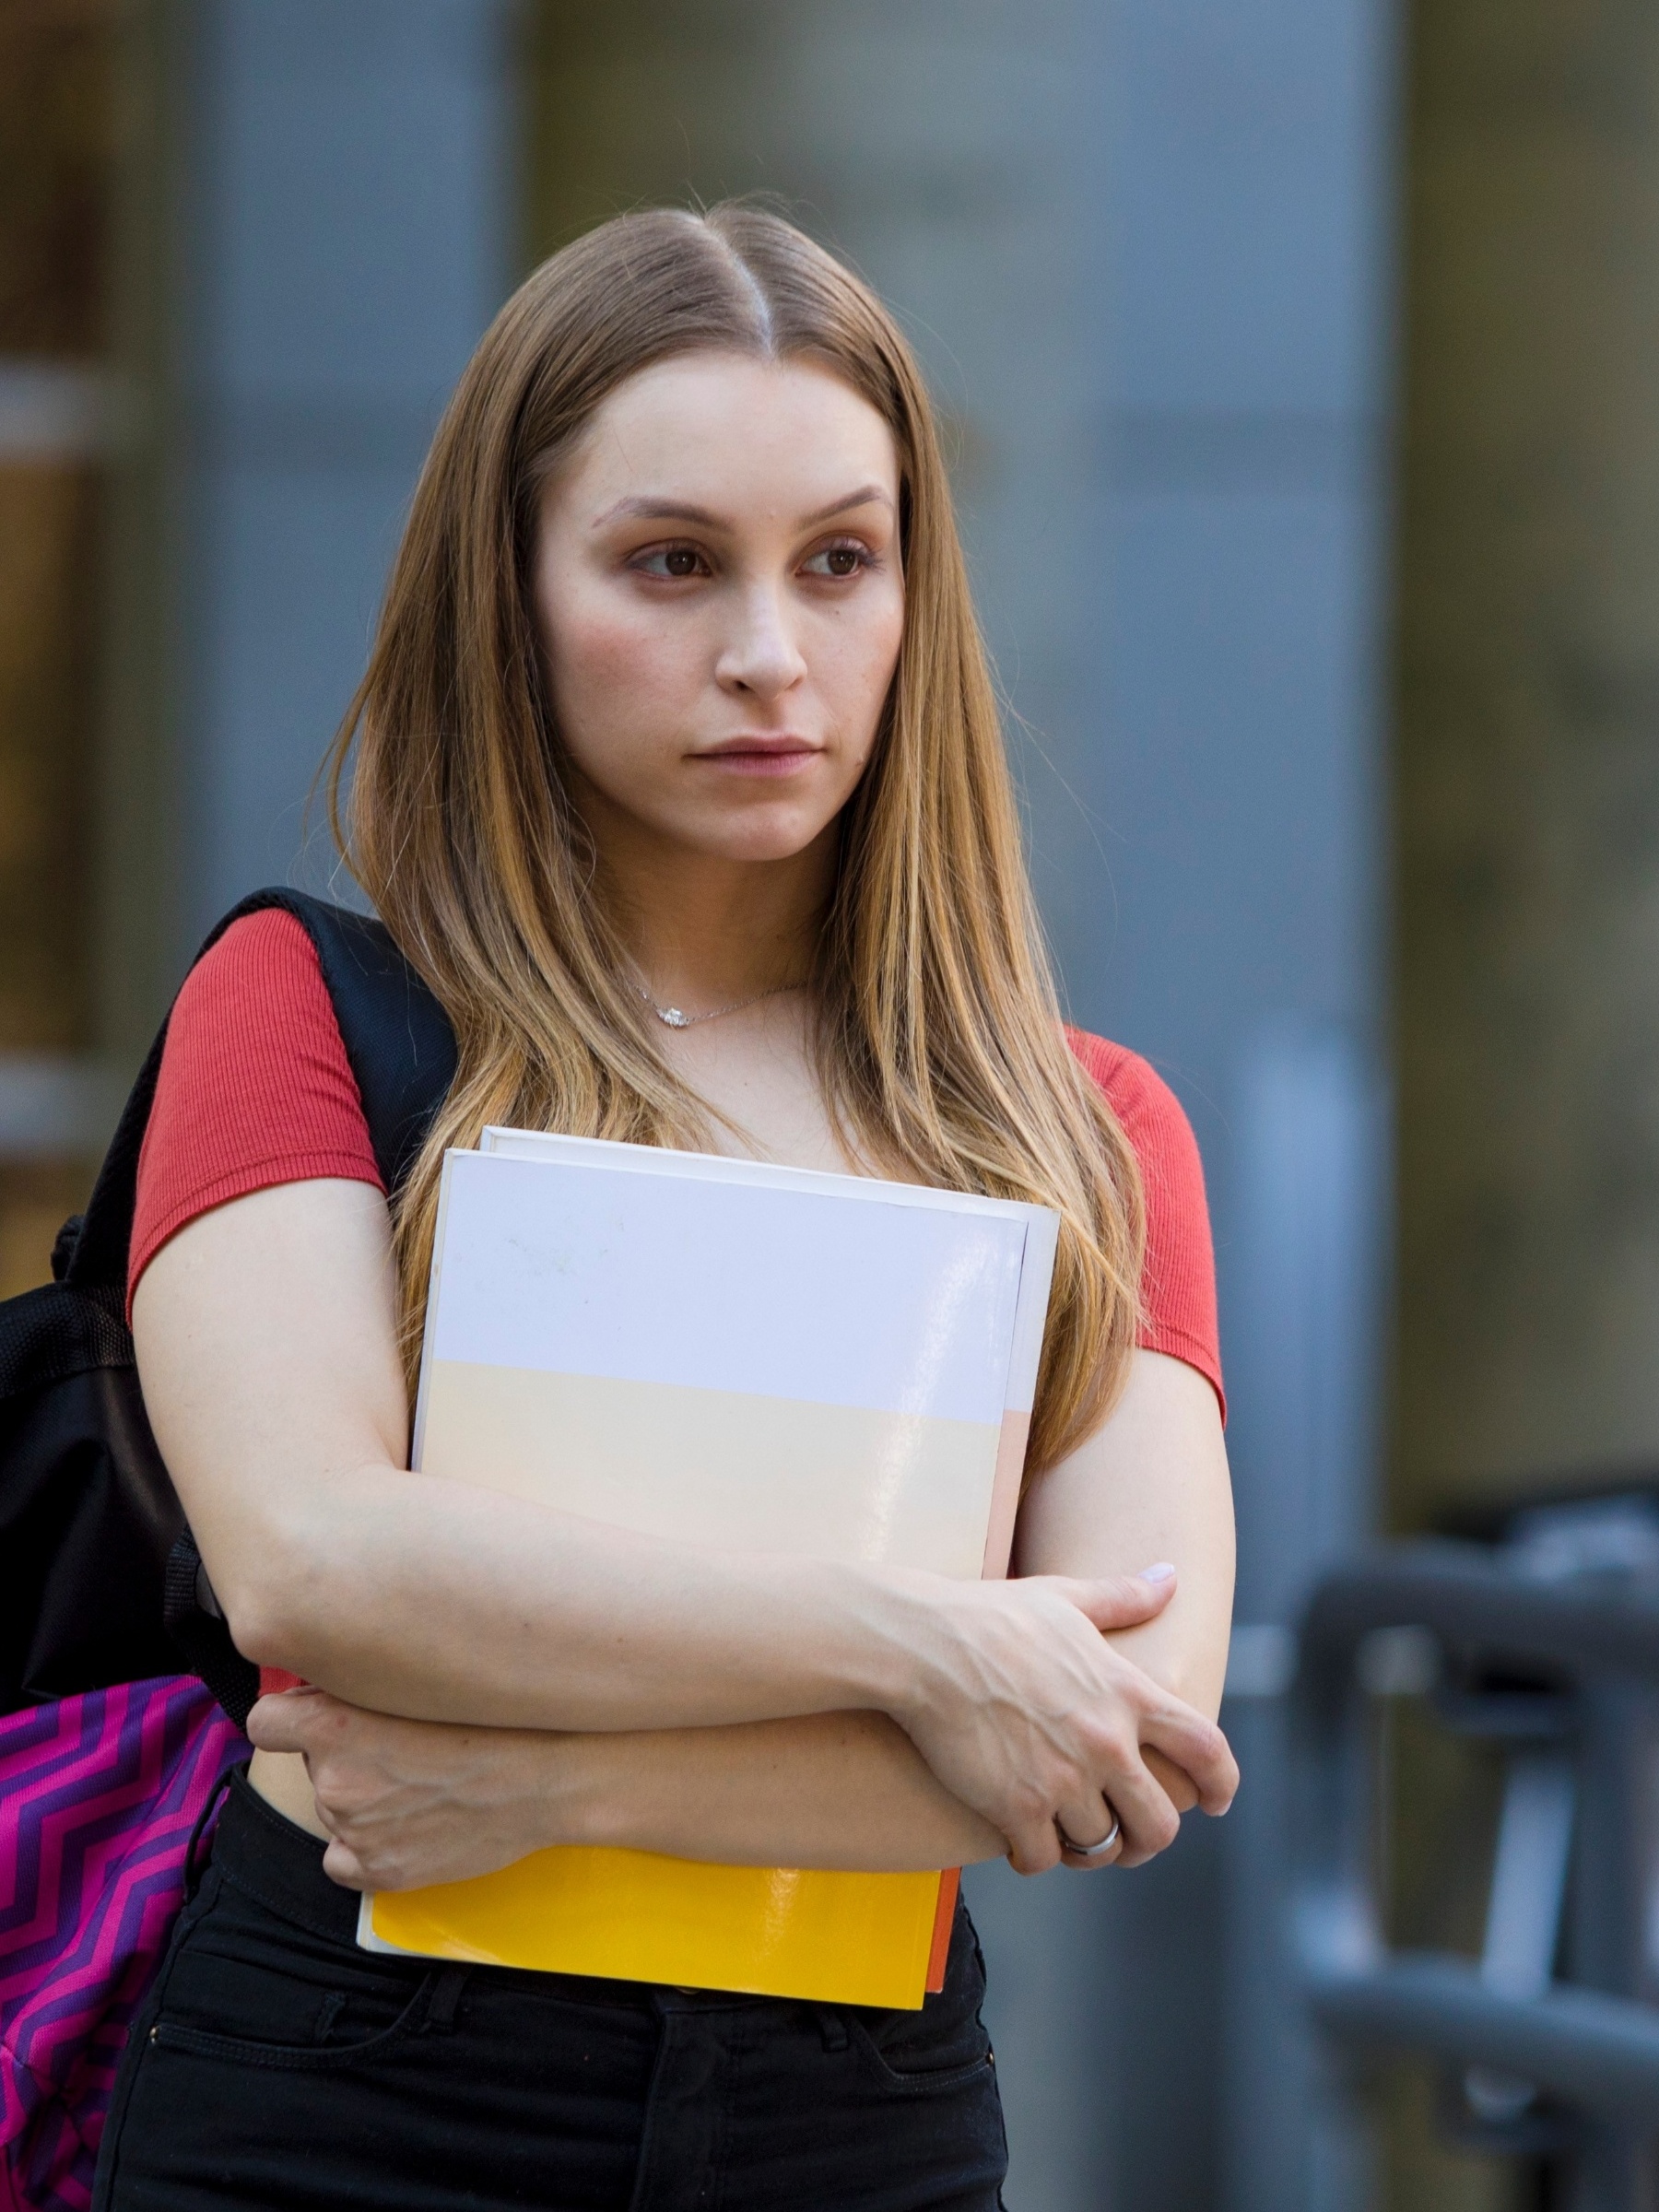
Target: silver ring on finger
[1091,1851]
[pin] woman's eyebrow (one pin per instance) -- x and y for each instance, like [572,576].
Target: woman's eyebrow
[865,496]
[644,507]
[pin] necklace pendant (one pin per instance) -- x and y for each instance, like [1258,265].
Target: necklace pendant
[673,1019]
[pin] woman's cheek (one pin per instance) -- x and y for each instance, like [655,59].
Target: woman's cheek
[601,649]
[855,661]
[859,693]
[622,683]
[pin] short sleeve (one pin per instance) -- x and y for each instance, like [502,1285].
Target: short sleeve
[1178,1278]
[255,1088]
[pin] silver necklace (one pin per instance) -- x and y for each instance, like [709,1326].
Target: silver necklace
[674,1018]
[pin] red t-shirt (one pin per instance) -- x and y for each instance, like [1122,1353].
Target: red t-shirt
[256,1089]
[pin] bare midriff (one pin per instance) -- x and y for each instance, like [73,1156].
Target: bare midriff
[281,1780]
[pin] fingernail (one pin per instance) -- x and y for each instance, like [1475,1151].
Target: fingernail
[1162,1572]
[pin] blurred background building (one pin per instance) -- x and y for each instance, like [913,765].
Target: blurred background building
[1299,361]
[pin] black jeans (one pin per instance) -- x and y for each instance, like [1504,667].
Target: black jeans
[277,2068]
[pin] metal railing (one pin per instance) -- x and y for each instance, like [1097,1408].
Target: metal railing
[1547,1647]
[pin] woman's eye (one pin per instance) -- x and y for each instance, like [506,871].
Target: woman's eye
[678,561]
[839,561]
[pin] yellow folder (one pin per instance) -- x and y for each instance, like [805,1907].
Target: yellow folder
[842,1938]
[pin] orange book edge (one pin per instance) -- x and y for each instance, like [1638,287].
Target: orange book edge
[950,1881]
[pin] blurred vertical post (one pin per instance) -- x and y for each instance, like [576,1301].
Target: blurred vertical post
[1528,791]
[59,131]
[1307,1279]
[1527,800]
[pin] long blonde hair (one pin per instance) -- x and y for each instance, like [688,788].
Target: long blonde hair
[940,1041]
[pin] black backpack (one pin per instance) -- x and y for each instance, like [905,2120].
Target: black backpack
[99,1579]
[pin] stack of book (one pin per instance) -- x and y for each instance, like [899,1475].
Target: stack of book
[761,1359]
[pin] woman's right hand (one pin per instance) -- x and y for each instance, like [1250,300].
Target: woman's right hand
[1028,1714]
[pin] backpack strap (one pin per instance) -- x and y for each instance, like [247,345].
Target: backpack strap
[397,1036]
[398,1042]
[402,1054]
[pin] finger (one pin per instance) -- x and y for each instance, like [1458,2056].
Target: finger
[1090,1823]
[281,1722]
[1208,1764]
[1198,1747]
[1034,1848]
[1149,1822]
[341,1864]
[1124,1601]
[1177,1785]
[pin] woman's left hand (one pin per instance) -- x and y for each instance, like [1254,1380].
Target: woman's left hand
[408,1803]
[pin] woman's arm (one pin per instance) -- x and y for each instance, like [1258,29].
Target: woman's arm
[409,1804]
[1151,1484]
[267,1351]
[266,1343]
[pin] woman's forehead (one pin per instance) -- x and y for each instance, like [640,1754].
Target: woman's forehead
[707,430]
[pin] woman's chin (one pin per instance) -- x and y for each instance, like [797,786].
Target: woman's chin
[761,831]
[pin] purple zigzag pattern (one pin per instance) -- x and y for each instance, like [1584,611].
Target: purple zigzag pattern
[99,1796]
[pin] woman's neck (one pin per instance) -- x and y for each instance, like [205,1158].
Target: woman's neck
[707,929]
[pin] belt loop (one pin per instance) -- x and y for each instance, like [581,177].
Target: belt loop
[447,1987]
[192,1872]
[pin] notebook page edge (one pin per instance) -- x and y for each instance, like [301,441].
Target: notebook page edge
[721,1167]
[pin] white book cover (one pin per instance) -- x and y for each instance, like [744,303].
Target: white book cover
[728,1352]
[1029,1228]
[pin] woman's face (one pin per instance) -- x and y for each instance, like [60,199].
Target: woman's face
[721,602]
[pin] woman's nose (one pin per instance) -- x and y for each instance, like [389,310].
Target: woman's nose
[760,655]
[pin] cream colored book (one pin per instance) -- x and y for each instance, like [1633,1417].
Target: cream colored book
[763,1359]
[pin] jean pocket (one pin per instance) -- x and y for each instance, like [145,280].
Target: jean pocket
[251,1987]
[915,2055]
[328,2050]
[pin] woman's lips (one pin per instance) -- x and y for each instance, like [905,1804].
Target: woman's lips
[761,756]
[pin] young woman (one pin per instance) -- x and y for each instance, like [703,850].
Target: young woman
[677,707]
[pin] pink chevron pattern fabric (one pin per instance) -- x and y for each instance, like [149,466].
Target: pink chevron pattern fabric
[99,1794]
